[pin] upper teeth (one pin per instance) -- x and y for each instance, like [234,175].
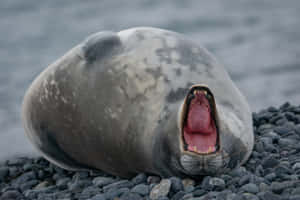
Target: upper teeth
[198,92]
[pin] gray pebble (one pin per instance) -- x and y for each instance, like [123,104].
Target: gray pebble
[294,197]
[160,190]
[278,187]
[296,166]
[28,185]
[63,182]
[25,177]
[141,189]
[198,192]
[99,197]
[178,195]
[271,176]
[103,181]
[176,184]
[117,185]
[270,162]
[153,179]
[263,187]
[267,195]
[131,196]
[244,180]
[114,193]
[251,188]
[140,178]
[11,195]
[217,183]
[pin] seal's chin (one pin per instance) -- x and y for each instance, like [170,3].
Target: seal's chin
[199,122]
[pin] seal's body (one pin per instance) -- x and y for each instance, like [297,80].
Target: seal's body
[141,100]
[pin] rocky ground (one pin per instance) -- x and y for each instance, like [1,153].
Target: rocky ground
[272,173]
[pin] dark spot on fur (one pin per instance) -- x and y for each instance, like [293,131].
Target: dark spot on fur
[100,45]
[155,72]
[179,94]
[178,71]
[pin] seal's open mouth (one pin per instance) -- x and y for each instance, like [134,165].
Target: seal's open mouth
[199,128]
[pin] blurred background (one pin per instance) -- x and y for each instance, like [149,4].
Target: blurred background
[258,41]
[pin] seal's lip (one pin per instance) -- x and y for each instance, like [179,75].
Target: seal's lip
[183,115]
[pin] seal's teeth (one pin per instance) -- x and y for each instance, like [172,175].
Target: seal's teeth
[195,92]
[205,92]
[195,149]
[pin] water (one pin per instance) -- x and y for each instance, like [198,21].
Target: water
[258,41]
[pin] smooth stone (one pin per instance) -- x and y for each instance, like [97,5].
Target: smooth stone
[267,195]
[278,187]
[187,197]
[99,197]
[271,176]
[91,190]
[217,183]
[270,162]
[140,178]
[141,189]
[198,192]
[294,197]
[251,188]
[14,172]
[176,184]
[178,195]
[117,185]
[281,169]
[244,180]
[27,167]
[296,166]
[131,196]
[296,191]
[11,195]
[103,181]
[115,193]
[25,177]
[153,179]
[28,185]
[63,182]
[249,196]
[187,182]
[263,187]
[160,190]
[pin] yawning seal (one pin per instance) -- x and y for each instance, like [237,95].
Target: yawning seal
[141,100]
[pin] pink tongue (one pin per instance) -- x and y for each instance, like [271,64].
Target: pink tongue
[200,131]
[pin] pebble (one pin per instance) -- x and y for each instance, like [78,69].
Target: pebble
[102,181]
[251,188]
[11,195]
[272,173]
[140,178]
[176,184]
[141,189]
[117,185]
[217,183]
[160,190]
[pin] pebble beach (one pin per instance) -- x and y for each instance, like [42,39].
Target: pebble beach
[271,173]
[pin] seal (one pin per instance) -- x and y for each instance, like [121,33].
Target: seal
[140,100]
